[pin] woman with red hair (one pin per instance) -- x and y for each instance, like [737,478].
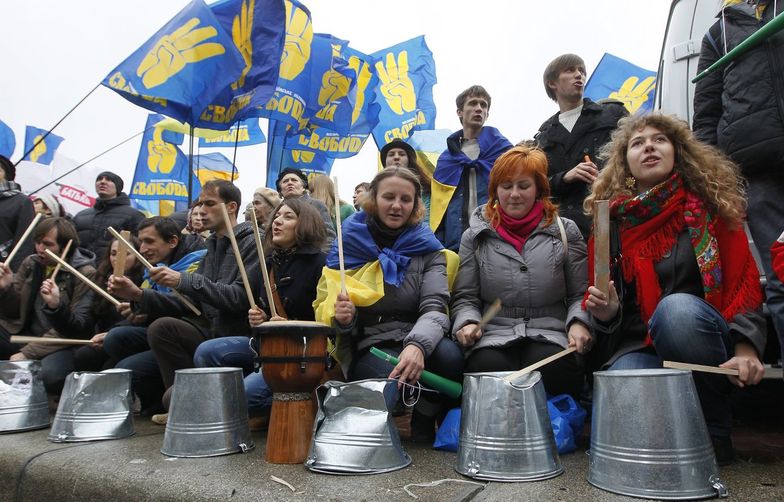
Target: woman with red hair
[517,249]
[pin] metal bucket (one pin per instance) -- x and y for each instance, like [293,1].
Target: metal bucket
[648,437]
[208,414]
[354,432]
[505,431]
[94,406]
[23,402]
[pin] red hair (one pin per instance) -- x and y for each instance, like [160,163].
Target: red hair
[514,163]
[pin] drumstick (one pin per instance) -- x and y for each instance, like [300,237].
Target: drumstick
[114,301]
[491,312]
[237,256]
[24,237]
[40,339]
[339,232]
[546,360]
[122,254]
[700,367]
[150,266]
[63,256]
[263,263]
[601,246]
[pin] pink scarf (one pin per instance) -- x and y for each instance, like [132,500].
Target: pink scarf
[515,231]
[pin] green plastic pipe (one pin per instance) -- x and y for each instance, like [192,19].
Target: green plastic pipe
[439,383]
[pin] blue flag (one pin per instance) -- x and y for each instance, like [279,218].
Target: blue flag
[280,157]
[7,140]
[43,153]
[406,75]
[161,168]
[618,79]
[183,68]
[329,103]
[244,133]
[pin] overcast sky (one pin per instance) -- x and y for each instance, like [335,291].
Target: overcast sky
[55,52]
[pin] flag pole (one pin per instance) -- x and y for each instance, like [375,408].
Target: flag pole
[236,143]
[43,138]
[190,167]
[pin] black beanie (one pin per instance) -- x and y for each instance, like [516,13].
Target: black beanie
[291,170]
[398,143]
[118,182]
[8,167]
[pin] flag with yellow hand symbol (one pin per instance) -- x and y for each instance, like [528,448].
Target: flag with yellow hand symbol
[43,146]
[161,168]
[618,79]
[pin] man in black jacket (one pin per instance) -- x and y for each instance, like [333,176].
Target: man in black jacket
[740,109]
[572,138]
[112,209]
[16,214]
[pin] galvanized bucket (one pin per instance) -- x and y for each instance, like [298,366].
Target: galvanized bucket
[354,432]
[208,414]
[648,437]
[505,431]
[94,406]
[23,402]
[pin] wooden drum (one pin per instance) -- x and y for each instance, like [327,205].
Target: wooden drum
[293,356]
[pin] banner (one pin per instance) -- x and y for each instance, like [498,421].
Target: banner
[7,140]
[280,157]
[429,145]
[244,133]
[161,168]
[406,75]
[74,192]
[43,153]
[617,78]
[182,69]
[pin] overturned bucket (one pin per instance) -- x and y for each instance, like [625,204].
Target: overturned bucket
[505,431]
[208,414]
[354,432]
[94,406]
[23,402]
[649,438]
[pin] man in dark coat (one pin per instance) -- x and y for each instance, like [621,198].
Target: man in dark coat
[572,138]
[112,209]
[16,213]
[740,109]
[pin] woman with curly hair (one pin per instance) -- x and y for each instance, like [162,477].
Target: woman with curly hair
[690,289]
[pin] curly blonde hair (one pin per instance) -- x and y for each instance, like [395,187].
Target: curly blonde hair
[705,171]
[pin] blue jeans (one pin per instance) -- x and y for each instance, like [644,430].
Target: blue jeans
[234,351]
[686,328]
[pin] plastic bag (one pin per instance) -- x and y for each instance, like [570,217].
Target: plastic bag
[448,434]
[567,418]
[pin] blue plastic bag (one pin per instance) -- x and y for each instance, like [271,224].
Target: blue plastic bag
[448,434]
[567,418]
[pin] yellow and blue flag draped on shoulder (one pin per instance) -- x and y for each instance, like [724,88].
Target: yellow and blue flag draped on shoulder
[7,140]
[43,153]
[161,168]
[406,76]
[182,68]
[243,133]
[616,78]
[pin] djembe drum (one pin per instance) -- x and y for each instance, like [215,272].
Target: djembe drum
[293,356]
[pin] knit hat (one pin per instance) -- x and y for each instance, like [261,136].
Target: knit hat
[8,167]
[398,143]
[50,201]
[118,182]
[291,170]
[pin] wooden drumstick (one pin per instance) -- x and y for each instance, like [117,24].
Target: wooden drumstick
[41,339]
[150,266]
[546,360]
[491,312]
[24,237]
[122,254]
[64,256]
[237,256]
[700,367]
[601,246]
[263,264]
[114,301]
[339,232]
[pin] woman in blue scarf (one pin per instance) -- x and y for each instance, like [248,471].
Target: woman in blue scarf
[410,321]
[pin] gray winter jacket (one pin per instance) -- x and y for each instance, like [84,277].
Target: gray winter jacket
[540,288]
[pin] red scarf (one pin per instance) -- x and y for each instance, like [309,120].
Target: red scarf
[515,231]
[648,238]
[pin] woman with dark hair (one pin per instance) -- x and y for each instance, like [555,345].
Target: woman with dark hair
[406,317]
[294,261]
[517,249]
[689,288]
